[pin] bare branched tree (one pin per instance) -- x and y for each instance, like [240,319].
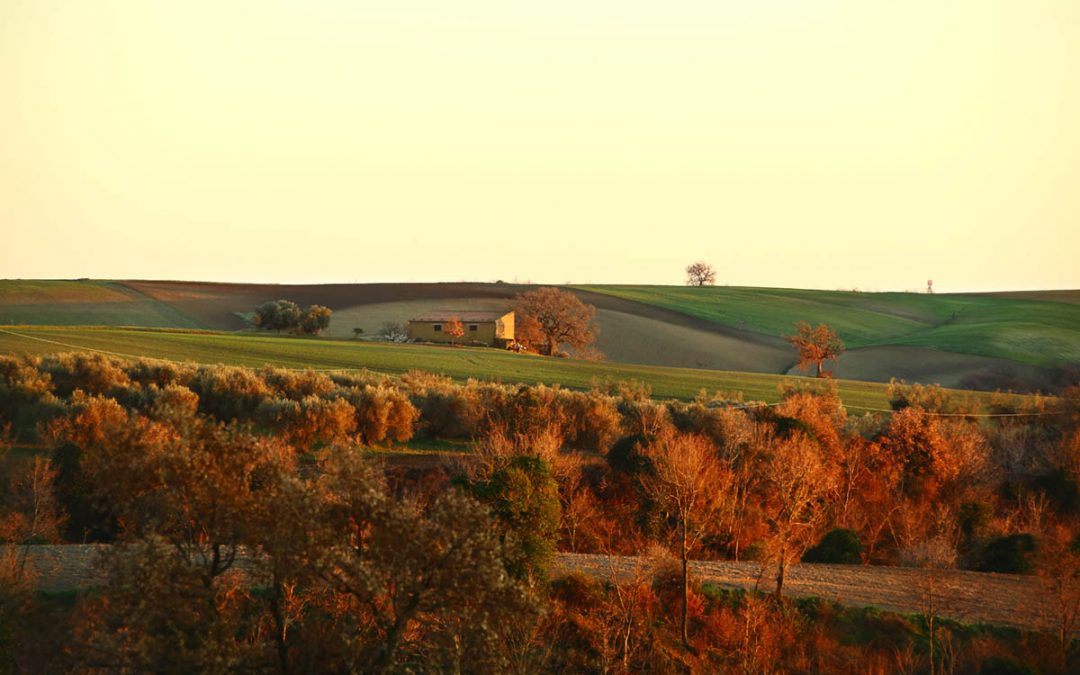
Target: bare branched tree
[798,480]
[690,481]
[393,332]
[700,273]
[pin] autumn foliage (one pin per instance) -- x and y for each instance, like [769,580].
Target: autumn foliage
[252,528]
[549,318]
[815,346]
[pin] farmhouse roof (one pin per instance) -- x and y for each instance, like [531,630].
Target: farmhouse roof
[464,315]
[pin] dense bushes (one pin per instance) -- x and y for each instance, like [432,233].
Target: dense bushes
[282,315]
[308,421]
[524,498]
[382,413]
[905,483]
[839,546]
[1012,554]
[195,463]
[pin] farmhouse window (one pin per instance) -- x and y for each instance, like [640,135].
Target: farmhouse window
[438,327]
[473,327]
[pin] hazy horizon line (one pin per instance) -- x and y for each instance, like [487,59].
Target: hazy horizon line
[530,282]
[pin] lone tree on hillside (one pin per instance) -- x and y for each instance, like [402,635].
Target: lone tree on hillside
[700,274]
[554,317]
[815,346]
[454,329]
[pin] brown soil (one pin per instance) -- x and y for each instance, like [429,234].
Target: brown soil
[969,597]
[922,365]
[217,304]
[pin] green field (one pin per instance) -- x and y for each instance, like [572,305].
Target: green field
[953,339]
[458,363]
[85,303]
[1033,332]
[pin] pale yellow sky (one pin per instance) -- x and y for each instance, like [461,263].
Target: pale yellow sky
[820,143]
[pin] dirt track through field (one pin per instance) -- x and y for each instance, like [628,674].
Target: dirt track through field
[970,597]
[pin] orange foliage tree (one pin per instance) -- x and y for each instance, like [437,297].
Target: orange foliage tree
[815,346]
[557,318]
[454,329]
[691,483]
[799,481]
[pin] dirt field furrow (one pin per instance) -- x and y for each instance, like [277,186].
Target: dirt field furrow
[973,597]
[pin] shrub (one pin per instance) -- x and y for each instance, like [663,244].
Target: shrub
[278,315]
[840,546]
[446,410]
[308,421]
[524,498]
[1011,554]
[161,373]
[316,319]
[1060,489]
[92,373]
[592,420]
[627,456]
[1000,665]
[973,519]
[930,397]
[640,414]
[230,393]
[26,396]
[296,385]
[382,413]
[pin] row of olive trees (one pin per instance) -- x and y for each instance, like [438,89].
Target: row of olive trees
[282,315]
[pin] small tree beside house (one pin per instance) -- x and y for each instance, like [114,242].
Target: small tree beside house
[454,329]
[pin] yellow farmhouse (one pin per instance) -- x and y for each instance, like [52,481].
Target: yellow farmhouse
[491,328]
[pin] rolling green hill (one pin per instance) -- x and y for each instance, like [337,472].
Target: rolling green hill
[1028,331]
[458,363]
[85,302]
[959,340]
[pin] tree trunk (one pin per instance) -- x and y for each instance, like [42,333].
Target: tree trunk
[780,569]
[551,345]
[685,586]
[819,367]
[280,629]
[933,664]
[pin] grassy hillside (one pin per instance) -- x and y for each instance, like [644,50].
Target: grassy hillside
[1035,332]
[459,363]
[954,339]
[88,302]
